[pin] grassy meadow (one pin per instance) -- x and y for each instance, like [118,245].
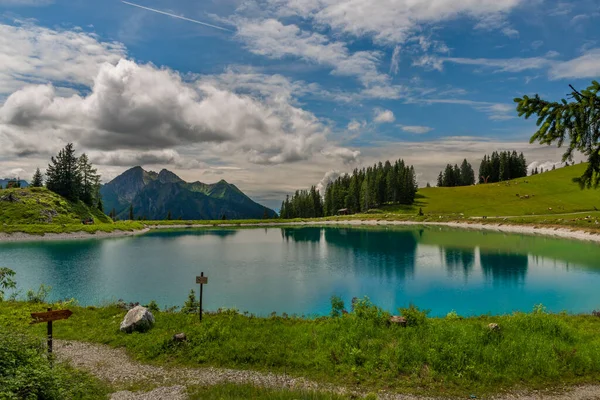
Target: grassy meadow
[552,192]
[361,350]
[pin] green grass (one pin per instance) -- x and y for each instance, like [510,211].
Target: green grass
[37,211]
[441,356]
[552,192]
[41,206]
[26,373]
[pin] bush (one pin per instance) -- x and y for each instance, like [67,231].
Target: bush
[25,373]
[337,306]
[414,316]
[6,281]
[191,305]
[39,296]
[153,306]
[365,310]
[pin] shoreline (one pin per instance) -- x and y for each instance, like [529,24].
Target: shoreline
[81,235]
[534,230]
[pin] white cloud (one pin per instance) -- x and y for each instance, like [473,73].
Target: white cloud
[388,21]
[142,107]
[383,116]
[330,176]
[536,44]
[32,54]
[586,66]
[394,64]
[545,165]
[495,111]
[416,129]
[355,125]
[273,39]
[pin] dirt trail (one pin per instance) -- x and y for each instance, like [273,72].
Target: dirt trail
[114,366]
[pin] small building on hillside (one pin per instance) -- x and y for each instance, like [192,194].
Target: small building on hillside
[343,211]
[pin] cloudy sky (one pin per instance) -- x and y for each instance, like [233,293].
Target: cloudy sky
[275,95]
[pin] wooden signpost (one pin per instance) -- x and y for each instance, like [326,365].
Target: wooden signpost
[48,317]
[201,280]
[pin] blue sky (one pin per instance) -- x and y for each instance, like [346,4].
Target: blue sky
[288,92]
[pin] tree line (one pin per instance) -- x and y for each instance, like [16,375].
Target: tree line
[364,189]
[455,176]
[502,167]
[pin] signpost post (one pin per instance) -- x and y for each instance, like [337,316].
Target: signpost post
[48,317]
[202,280]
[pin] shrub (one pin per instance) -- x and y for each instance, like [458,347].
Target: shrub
[453,316]
[39,296]
[414,316]
[365,310]
[191,305]
[25,373]
[6,281]
[337,306]
[153,306]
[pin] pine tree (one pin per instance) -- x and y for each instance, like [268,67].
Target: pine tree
[37,180]
[90,181]
[100,205]
[169,216]
[63,175]
[131,216]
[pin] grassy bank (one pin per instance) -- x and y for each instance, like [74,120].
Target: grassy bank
[436,355]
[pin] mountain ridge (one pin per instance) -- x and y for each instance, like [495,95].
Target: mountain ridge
[156,195]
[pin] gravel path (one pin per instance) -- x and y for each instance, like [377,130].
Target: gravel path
[114,366]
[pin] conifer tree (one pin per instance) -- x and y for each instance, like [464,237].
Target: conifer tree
[37,180]
[131,216]
[63,174]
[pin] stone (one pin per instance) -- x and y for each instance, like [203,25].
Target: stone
[398,320]
[137,319]
[494,327]
[179,337]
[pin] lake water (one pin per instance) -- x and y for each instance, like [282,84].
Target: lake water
[297,270]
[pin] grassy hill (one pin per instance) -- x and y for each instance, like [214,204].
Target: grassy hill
[552,192]
[41,206]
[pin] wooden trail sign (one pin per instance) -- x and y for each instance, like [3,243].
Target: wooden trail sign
[48,317]
[201,280]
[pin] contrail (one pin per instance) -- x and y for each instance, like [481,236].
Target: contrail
[176,16]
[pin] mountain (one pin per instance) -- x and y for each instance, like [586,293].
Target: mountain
[154,195]
[4,182]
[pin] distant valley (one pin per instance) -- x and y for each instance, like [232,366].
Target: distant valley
[155,196]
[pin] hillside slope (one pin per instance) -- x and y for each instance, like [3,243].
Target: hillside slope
[552,192]
[41,206]
[155,195]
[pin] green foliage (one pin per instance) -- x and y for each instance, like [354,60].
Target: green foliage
[6,281]
[303,204]
[25,373]
[577,121]
[191,304]
[453,315]
[455,176]
[153,306]
[37,180]
[337,306]
[414,316]
[40,296]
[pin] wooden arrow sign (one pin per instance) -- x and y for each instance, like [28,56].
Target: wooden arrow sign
[49,316]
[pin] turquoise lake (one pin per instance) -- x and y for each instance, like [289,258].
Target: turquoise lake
[297,270]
